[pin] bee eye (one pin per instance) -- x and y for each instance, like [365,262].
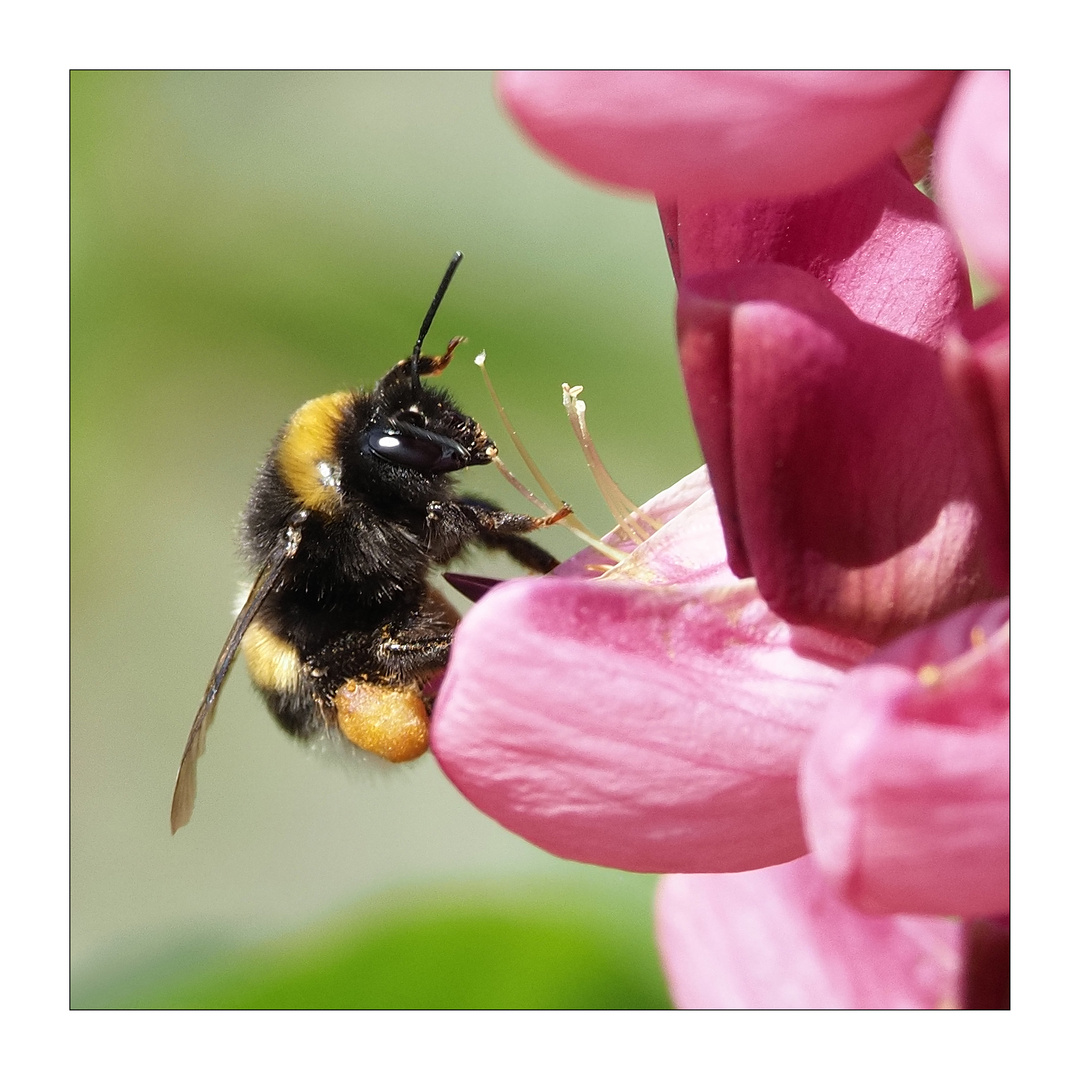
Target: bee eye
[403,444]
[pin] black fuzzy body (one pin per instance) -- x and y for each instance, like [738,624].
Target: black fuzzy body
[351,512]
[354,600]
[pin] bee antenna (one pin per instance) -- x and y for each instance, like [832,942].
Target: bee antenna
[440,292]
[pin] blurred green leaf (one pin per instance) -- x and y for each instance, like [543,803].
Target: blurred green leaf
[457,954]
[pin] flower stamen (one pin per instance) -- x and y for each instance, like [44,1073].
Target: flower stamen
[571,521]
[632,523]
[929,675]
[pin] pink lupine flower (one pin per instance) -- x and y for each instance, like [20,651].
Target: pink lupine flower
[876,242]
[834,451]
[975,360]
[722,134]
[719,709]
[652,721]
[972,171]
[780,938]
[905,783]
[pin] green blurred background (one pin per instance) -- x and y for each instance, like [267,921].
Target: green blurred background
[243,241]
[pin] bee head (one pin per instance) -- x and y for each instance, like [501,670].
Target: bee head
[409,436]
[416,427]
[405,437]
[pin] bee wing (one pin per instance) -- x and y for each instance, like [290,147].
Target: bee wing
[183,800]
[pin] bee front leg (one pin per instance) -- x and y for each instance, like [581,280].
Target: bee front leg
[501,531]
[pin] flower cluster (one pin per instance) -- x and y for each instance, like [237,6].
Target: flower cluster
[793,696]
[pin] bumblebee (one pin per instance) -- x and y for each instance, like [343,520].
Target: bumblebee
[352,509]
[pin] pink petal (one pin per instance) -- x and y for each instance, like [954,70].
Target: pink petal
[832,446]
[778,938]
[722,134]
[633,724]
[876,241]
[975,361]
[906,785]
[689,553]
[972,169]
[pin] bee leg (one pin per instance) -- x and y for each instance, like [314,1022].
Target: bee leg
[385,709]
[523,552]
[500,530]
[404,655]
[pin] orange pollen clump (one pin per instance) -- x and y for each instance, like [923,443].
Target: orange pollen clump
[390,721]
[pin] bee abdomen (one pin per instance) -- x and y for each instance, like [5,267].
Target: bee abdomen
[273,662]
[384,719]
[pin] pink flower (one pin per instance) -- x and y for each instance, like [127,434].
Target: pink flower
[837,461]
[905,784]
[975,361]
[972,171]
[722,134]
[779,938]
[678,716]
[653,721]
